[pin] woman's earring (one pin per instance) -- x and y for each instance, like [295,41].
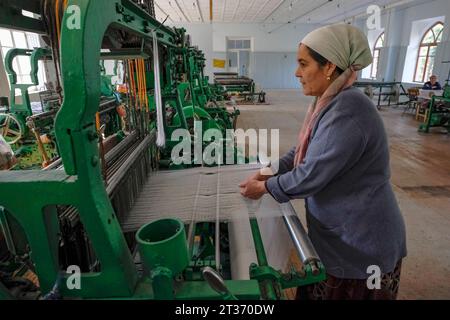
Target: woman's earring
[328,78]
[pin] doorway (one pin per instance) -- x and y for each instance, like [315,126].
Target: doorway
[238,56]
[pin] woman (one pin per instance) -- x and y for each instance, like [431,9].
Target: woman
[433,84]
[340,166]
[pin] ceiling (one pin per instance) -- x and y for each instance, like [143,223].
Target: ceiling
[265,11]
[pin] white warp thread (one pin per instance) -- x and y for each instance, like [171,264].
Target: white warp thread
[191,195]
[161,135]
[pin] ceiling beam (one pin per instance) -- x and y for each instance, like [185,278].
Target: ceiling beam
[348,13]
[223,9]
[274,10]
[160,9]
[302,15]
[175,11]
[251,6]
[384,8]
[236,9]
[260,9]
[200,11]
[182,12]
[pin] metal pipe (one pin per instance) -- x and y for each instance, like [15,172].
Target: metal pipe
[53,165]
[217,238]
[302,243]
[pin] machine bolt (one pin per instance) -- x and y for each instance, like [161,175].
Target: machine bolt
[94,161]
[128,18]
[119,8]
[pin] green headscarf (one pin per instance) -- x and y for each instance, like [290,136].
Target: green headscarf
[342,45]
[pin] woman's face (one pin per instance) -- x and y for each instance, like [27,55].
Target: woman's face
[312,76]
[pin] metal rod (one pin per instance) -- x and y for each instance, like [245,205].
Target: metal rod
[121,172]
[302,243]
[191,232]
[53,165]
[218,219]
[120,147]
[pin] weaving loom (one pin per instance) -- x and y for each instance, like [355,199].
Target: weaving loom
[212,195]
[135,232]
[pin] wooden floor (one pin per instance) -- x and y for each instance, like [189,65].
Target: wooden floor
[420,165]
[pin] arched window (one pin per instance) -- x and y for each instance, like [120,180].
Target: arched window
[376,55]
[427,52]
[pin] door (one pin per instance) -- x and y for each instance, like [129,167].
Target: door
[233,63]
[244,63]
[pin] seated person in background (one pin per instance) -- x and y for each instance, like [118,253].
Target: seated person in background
[432,84]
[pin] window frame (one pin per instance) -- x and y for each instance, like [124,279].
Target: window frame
[376,49]
[428,46]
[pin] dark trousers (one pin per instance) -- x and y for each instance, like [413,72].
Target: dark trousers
[352,289]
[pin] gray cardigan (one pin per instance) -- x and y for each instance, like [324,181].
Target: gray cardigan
[352,214]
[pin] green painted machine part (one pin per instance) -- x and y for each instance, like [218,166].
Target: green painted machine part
[24,108]
[18,129]
[81,184]
[438,116]
[162,243]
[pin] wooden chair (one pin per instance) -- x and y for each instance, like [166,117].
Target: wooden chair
[422,111]
[413,94]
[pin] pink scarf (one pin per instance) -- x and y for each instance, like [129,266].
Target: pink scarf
[344,81]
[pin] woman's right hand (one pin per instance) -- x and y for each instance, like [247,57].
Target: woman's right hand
[261,175]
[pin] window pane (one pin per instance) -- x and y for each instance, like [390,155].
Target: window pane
[4,52]
[423,51]
[231,44]
[24,64]
[429,37]
[239,44]
[374,68]
[26,79]
[432,51]
[379,42]
[233,57]
[20,40]
[5,38]
[420,69]
[429,69]
[439,37]
[437,29]
[41,75]
[16,66]
[247,44]
[27,14]
[33,40]
[376,53]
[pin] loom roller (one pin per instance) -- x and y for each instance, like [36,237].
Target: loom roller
[286,229]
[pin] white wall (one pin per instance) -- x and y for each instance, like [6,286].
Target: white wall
[404,28]
[273,57]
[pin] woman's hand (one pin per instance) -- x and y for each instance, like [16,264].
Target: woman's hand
[260,175]
[253,189]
